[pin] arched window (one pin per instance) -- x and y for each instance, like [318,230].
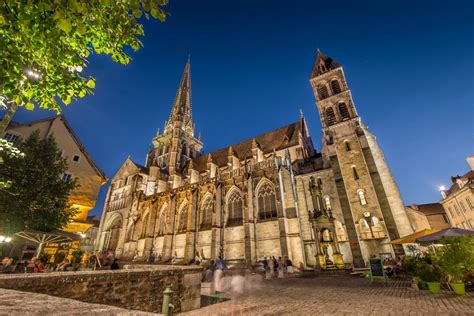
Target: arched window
[347,145]
[344,111]
[330,116]
[362,199]
[234,209]
[183,220]
[336,88]
[364,229]
[320,182]
[206,214]
[377,228]
[162,224]
[354,173]
[323,92]
[266,202]
[340,231]
[327,202]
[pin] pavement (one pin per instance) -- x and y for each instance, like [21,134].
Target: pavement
[336,295]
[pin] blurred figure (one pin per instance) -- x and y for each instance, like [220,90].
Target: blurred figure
[115,265]
[208,275]
[281,267]
[289,265]
[64,266]
[32,267]
[271,265]
[219,280]
[7,265]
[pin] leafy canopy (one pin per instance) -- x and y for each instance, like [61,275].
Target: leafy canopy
[8,150]
[38,197]
[44,45]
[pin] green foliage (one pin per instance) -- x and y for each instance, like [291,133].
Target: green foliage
[457,257]
[38,197]
[7,150]
[44,45]
[428,272]
[77,256]
[59,257]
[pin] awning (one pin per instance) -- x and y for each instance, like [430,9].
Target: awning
[410,239]
[447,232]
[39,237]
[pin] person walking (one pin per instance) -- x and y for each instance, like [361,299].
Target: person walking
[289,266]
[271,265]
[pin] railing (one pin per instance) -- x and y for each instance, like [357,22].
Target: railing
[119,203]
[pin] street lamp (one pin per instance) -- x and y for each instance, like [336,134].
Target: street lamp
[5,239]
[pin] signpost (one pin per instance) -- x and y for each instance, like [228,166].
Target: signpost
[377,270]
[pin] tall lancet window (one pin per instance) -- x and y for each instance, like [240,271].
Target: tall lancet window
[234,209]
[206,214]
[266,202]
[183,220]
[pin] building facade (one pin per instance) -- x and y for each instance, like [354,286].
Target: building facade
[427,216]
[273,194]
[458,200]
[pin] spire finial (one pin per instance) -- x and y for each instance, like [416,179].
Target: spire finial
[301,113]
[189,58]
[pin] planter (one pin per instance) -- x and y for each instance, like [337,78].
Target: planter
[435,287]
[458,288]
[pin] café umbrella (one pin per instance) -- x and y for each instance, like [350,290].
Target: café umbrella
[411,239]
[447,232]
[42,238]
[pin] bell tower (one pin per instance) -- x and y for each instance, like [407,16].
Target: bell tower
[373,210]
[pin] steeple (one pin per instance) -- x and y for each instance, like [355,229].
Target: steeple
[323,64]
[182,110]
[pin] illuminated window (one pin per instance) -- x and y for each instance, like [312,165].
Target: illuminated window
[362,199]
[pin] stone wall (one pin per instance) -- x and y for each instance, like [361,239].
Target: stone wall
[137,287]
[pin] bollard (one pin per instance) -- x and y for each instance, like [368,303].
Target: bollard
[165,309]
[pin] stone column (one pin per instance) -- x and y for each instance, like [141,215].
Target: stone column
[217,227]
[169,231]
[190,248]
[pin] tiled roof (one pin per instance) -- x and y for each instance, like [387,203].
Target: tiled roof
[281,138]
[428,209]
[329,63]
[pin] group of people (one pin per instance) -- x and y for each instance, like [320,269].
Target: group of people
[277,267]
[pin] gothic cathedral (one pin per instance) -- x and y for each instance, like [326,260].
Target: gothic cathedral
[272,195]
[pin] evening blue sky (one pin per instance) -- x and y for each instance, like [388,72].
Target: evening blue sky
[409,65]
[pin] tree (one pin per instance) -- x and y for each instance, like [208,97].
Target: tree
[38,196]
[45,45]
[8,150]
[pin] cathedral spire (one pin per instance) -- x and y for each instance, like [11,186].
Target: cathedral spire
[182,110]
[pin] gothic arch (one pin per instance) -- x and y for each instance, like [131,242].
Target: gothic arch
[113,220]
[266,200]
[182,218]
[234,207]
[162,220]
[206,211]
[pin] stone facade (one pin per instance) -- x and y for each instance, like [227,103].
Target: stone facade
[264,196]
[458,200]
[139,288]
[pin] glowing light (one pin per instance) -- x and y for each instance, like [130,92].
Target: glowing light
[2,238]
[442,188]
[8,239]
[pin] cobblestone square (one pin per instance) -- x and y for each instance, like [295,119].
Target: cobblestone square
[338,295]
